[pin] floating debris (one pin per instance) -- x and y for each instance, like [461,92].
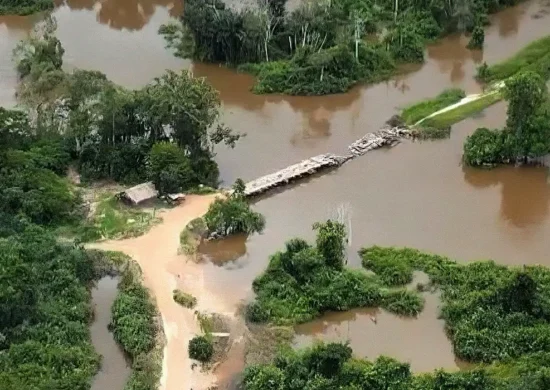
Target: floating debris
[384,137]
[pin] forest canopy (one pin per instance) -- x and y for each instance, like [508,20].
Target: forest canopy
[321,46]
[164,132]
[24,7]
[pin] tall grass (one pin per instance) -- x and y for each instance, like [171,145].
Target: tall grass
[448,118]
[418,111]
[535,56]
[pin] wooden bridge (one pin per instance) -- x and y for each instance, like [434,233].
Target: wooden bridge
[388,136]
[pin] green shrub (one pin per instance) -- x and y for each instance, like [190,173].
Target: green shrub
[302,282]
[393,271]
[403,302]
[477,39]
[233,215]
[201,348]
[133,318]
[484,147]
[184,299]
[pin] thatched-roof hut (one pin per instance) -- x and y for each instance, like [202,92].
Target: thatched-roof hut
[139,193]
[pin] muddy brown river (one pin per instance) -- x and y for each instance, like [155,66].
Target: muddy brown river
[416,194]
[114,371]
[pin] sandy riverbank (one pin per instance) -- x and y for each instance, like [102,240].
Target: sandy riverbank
[163,270]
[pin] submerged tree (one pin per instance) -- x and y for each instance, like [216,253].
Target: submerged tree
[233,215]
[331,242]
[477,39]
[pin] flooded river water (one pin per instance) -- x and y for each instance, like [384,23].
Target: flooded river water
[416,194]
[114,370]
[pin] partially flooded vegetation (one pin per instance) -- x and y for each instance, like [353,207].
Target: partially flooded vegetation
[304,281]
[70,120]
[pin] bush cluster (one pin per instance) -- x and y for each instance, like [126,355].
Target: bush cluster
[201,348]
[232,215]
[331,366]
[491,312]
[133,323]
[304,281]
[184,299]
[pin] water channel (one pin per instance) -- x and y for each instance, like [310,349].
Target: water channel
[416,194]
[114,371]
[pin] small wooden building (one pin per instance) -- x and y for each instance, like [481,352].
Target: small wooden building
[138,194]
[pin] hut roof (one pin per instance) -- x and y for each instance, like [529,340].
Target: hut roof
[140,193]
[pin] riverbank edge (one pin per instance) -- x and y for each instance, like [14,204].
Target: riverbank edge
[532,57]
[146,365]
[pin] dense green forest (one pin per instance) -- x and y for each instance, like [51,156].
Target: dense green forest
[164,132]
[495,315]
[526,135]
[323,46]
[44,311]
[24,7]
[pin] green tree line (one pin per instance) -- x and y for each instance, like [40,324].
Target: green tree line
[164,132]
[322,46]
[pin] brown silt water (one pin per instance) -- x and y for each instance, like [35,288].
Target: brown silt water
[416,194]
[114,371]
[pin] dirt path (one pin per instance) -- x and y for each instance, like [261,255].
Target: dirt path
[470,98]
[164,270]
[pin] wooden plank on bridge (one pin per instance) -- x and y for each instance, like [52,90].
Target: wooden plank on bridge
[293,172]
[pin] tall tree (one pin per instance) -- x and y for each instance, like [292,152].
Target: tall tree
[525,93]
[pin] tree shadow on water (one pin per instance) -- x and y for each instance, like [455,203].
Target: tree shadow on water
[525,191]
[226,252]
[127,14]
